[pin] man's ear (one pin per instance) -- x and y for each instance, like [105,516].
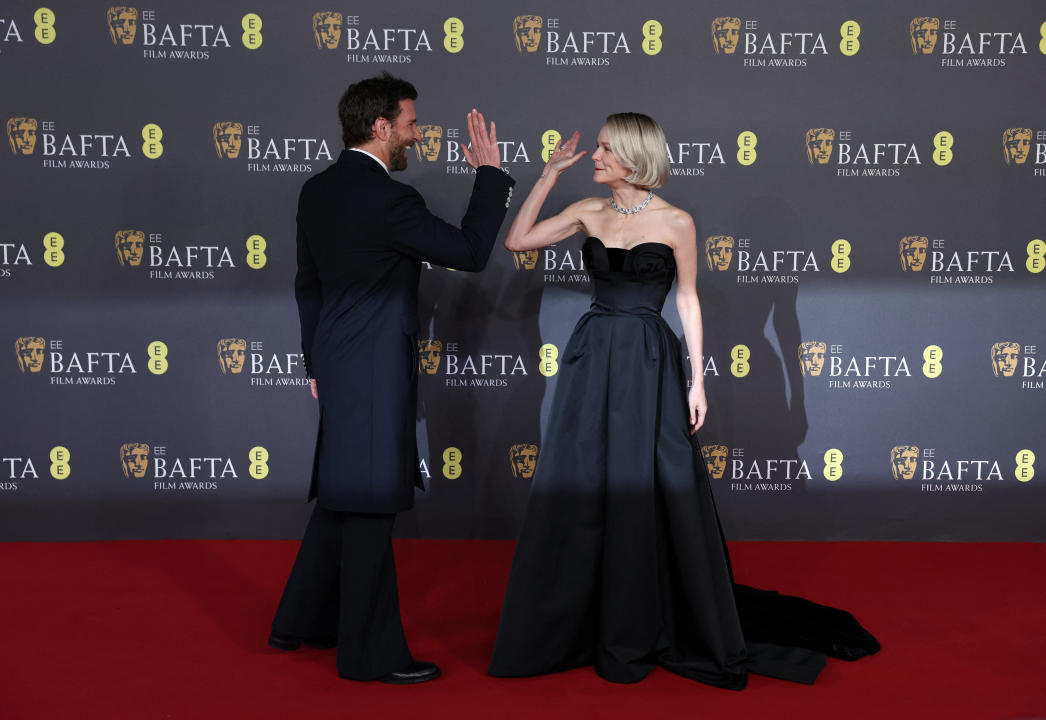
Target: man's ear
[382,129]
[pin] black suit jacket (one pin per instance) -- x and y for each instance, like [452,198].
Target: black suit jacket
[361,239]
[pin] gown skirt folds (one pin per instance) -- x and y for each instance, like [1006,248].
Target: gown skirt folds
[621,562]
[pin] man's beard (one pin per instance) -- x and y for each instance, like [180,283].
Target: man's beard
[398,157]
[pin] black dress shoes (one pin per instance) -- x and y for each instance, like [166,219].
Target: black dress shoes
[289,642]
[417,672]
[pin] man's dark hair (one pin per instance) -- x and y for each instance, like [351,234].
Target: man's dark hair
[366,101]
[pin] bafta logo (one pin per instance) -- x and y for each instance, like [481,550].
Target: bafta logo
[811,357]
[904,459]
[819,143]
[21,133]
[719,252]
[228,139]
[431,142]
[923,31]
[725,31]
[913,252]
[326,28]
[525,260]
[523,459]
[130,245]
[715,460]
[231,354]
[527,29]
[428,355]
[1004,358]
[30,352]
[1016,142]
[123,24]
[134,458]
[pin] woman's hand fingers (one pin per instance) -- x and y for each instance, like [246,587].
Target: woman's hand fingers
[698,409]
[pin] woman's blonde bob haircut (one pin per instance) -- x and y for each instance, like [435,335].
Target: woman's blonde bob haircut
[638,142]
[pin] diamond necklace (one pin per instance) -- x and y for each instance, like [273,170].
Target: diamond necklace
[634,210]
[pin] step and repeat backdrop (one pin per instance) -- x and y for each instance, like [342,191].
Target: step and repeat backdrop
[868,187]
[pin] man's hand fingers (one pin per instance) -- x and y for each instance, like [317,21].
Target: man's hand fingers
[470,121]
[476,128]
[477,141]
[484,144]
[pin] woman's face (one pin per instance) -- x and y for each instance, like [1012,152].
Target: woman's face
[607,169]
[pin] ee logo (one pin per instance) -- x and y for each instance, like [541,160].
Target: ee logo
[746,147]
[1036,256]
[452,40]
[549,140]
[850,45]
[152,134]
[451,463]
[942,147]
[256,252]
[158,357]
[739,355]
[44,19]
[652,37]
[53,244]
[259,460]
[1025,465]
[547,355]
[833,465]
[841,255]
[932,366]
[60,462]
[252,37]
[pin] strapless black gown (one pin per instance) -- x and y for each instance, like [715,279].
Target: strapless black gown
[621,562]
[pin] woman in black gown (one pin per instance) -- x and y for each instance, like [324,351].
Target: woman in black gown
[621,562]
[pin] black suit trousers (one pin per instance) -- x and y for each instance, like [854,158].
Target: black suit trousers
[343,584]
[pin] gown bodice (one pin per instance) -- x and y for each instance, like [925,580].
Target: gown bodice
[632,281]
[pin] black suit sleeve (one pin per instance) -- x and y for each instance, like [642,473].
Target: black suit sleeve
[307,290]
[416,232]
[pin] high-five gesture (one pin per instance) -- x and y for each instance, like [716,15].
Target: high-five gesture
[484,146]
[564,155]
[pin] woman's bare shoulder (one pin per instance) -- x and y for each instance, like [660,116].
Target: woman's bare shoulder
[676,219]
[588,205]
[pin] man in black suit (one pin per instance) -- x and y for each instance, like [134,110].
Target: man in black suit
[362,237]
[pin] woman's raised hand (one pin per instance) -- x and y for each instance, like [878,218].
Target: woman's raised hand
[564,155]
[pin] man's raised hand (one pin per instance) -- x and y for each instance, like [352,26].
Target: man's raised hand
[483,146]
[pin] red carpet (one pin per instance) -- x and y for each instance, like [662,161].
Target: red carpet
[177,629]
